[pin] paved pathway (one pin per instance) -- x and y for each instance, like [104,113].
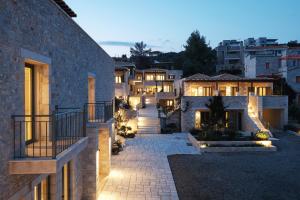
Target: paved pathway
[142,170]
[148,121]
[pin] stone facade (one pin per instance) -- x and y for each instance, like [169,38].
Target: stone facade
[42,34]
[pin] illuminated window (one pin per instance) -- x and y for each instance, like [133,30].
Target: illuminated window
[201,117]
[234,91]
[167,88]
[149,77]
[194,91]
[170,102]
[297,79]
[263,91]
[222,91]
[226,119]
[118,79]
[207,91]
[41,191]
[171,76]
[197,119]
[160,77]
[139,77]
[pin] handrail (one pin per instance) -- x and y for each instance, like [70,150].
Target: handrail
[46,136]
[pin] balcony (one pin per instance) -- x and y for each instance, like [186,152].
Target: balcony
[99,112]
[231,102]
[165,95]
[43,143]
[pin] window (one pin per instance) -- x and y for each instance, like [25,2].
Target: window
[297,79]
[118,79]
[207,91]
[170,102]
[267,65]
[263,91]
[222,91]
[160,77]
[171,76]
[42,190]
[167,88]
[234,91]
[149,77]
[201,117]
[201,91]
[139,77]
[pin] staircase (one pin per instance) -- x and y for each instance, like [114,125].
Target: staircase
[148,121]
[253,107]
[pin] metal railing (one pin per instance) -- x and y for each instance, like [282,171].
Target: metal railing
[99,112]
[37,136]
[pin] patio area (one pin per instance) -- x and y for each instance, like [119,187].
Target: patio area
[142,170]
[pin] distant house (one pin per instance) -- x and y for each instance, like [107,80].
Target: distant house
[158,85]
[279,60]
[250,105]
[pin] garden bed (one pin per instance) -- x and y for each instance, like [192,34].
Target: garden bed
[232,146]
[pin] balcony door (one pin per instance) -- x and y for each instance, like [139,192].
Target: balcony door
[29,95]
[91,98]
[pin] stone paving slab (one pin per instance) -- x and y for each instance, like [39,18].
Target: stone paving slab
[142,170]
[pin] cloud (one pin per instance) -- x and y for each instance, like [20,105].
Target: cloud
[117,43]
[125,44]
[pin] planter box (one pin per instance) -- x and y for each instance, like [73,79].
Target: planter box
[232,146]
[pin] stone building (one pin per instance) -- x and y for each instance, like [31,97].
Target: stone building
[155,85]
[56,91]
[250,105]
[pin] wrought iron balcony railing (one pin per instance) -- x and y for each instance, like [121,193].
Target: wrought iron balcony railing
[37,136]
[100,112]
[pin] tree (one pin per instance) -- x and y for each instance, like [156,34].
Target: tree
[140,55]
[140,49]
[199,56]
[217,114]
[293,43]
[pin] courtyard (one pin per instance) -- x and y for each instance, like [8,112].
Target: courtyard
[236,176]
[142,170]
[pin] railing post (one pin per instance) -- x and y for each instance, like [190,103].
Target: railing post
[14,130]
[84,121]
[54,130]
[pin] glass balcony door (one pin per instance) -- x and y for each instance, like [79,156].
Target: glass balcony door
[29,101]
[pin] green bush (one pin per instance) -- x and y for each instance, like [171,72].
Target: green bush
[262,135]
[231,134]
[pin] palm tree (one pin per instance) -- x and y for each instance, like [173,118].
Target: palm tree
[140,49]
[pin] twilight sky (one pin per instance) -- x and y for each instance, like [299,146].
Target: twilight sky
[165,25]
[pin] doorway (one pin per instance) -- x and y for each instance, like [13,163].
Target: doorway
[29,95]
[91,98]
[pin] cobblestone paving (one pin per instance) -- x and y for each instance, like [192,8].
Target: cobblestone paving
[142,170]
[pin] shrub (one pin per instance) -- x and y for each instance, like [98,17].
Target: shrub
[231,134]
[262,135]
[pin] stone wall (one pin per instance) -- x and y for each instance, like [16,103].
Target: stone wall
[40,31]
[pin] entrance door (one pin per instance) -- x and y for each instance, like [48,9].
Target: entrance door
[29,103]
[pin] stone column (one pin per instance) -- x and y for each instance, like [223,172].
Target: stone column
[89,163]
[104,154]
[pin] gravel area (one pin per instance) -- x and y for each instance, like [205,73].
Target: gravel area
[240,176]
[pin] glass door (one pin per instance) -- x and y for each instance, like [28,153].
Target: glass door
[29,103]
